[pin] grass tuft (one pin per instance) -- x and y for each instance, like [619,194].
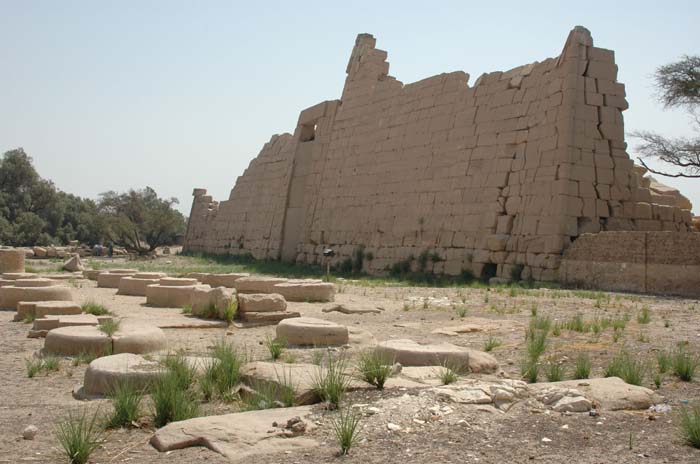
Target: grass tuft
[374,368]
[126,402]
[96,309]
[690,425]
[492,343]
[109,326]
[582,368]
[554,371]
[331,383]
[79,436]
[345,427]
[172,403]
[644,316]
[629,369]
[275,347]
[684,365]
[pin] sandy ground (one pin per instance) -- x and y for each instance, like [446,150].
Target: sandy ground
[461,433]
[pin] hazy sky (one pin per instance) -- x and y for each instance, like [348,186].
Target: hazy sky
[108,95]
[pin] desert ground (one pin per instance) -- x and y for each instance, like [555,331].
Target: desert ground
[412,423]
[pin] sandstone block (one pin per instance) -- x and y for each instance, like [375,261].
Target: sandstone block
[308,331]
[261,303]
[11,260]
[170,296]
[104,373]
[222,280]
[10,296]
[257,284]
[135,286]
[411,353]
[308,291]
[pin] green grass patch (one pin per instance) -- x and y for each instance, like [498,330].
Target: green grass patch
[126,404]
[582,367]
[79,435]
[346,429]
[628,368]
[109,326]
[374,368]
[690,425]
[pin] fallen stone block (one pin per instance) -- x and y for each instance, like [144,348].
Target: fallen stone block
[40,309]
[134,286]
[222,280]
[10,295]
[306,291]
[411,353]
[261,303]
[213,302]
[42,326]
[305,331]
[257,284]
[267,318]
[111,279]
[104,373]
[610,393]
[239,436]
[177,282]
[74,264]
[163,296]
[92,274]
[129,338]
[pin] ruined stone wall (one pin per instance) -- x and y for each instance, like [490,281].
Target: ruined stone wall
[645,262]
[493,177]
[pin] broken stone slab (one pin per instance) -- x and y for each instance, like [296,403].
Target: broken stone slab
[91,274]
[476,324]
[265,318]
[42,326]
[344,310]
[411,353]
[177,296]
[129,338]
[40,309]
[177,282]
[261,303]
[133,286]
[74,264]
[499,392]
[35,282]
[19,275]
[239,436]
[111,279]
[306,291]
[11,295]
[150,275]
[257,284]
[104,373]
[426,375]
[610,393]
[222,280]
[309,331]
[215,302]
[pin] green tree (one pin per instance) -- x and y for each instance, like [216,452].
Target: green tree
[679,87]
[139,220]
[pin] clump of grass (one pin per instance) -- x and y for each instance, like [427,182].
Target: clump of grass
[181,369]
[317,357]
[374,368]
[616,335]
[629,369]
[492,343]
[331,383]
[223,373]
[172,403]
[29,318]
[449,373]
[109,326]
[658,379]
[556,329]
[33,367]
[186,309]
[275,346]
[84,357]
[96,309]
[578,324]
[530,370]
[345,428]
[554,371]
[644,316]
[582,367]
[684,365]
[461,311]
[126,402]
[50,363]
[231,310]
[536,344]
[269,395]
[690,425]
[79,436]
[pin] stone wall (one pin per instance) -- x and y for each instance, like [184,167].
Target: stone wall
[645,262]
[492,177]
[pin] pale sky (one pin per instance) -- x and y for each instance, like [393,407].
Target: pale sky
[181,94]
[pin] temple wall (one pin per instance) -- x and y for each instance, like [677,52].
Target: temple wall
[644,262]
[485,177]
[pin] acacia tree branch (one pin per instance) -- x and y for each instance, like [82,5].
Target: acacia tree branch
[679,174]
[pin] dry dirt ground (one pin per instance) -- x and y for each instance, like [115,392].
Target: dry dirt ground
[451,433]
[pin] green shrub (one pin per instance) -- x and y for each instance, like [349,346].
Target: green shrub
[275,346]
[126,402]
[690,425]
[629,369]
[172,403]
[491,344]
[79,436]
[231,310]
[530,370]
[109,326]
[96,309]
[374,367]
[684,365]
[179,367]
[345,428]
[582,368]
[50,363]
[187,309]
[223,373]
[448,375]
[554,371]
[644,316]
[331,383]
[84,357]
[33,367]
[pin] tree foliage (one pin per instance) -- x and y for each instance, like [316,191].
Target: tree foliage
[678,85]
[34,212]
[139,220]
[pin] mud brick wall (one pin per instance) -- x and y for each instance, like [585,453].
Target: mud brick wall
[645,262]
[489,177]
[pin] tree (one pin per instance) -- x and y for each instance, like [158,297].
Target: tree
[140,221]
[679,87]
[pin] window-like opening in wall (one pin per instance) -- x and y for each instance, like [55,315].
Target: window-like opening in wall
[489,270]
[308,132]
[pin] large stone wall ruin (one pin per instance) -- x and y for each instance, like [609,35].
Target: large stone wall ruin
[497,176]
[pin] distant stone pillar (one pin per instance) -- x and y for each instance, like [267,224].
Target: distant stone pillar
[11,260]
